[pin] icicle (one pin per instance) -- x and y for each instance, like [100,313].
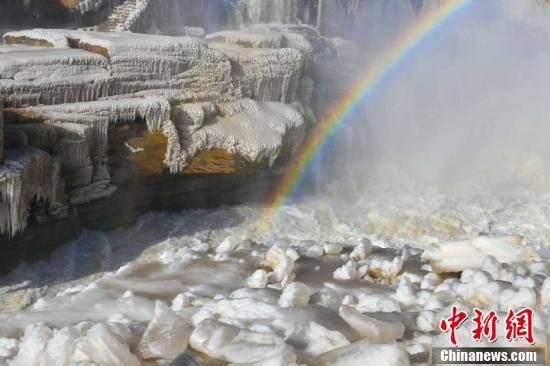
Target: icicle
[27,174]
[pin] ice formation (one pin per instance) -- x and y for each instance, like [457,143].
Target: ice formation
[27,174]
[251,301]
[459,255]
[333,283]
[234,101]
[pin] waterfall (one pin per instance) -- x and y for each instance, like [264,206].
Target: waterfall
[467,109]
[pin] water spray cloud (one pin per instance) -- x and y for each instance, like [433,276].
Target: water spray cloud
[342,112]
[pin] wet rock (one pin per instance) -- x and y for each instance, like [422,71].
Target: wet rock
[15,138]
[166,335]
[40,135]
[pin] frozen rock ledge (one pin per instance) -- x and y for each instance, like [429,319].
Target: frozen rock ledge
[111,108]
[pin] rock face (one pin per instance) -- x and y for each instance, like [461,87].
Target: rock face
[91,116]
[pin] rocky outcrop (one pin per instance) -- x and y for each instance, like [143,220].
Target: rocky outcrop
[19,14]
[105,110]
[128,122]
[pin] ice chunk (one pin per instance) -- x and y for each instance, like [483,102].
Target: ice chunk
[545,292]
[373,302]
[361,250]
[333,248]
[426,321]
[318,338]
[315,251]
[456,256]
[405,293]
[382,267]
[292,253]
[230,243]
[231,344]
[371,328]
[347,272]
[519,298]
[166,335]
[61,346]
[32,349]
[258,279]
[280,263]
[103,347]
[181,301]
[8,347]
[295,294]
[365,352]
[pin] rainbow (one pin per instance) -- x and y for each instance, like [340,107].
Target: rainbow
[340,114]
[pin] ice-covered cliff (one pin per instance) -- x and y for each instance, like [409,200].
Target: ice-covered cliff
[91,102]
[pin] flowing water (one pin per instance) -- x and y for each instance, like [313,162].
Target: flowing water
[453,145]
